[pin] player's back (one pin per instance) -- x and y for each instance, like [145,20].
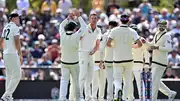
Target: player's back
[9,31]
[123,39]
[69,47]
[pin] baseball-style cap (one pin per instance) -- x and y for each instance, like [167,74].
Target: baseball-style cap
[162,22]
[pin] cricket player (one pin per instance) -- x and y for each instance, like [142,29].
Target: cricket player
[89,44]
[12,55]
[138,55]
[160,45]
[70,55]
[107,58]
[99,79]
[123,38]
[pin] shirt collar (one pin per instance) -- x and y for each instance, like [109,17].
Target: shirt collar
[123,25]
[89,26]
[69,32]
[161,32]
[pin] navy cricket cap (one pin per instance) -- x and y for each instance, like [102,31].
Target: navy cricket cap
[124,17]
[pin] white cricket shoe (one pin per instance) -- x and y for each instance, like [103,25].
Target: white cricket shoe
[172,95]
[6,98]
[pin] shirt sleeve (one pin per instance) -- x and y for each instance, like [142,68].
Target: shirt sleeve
[167,45]
[62,25]
[112,34]
[135,36]
[81,31]
[16,31]
[99,35]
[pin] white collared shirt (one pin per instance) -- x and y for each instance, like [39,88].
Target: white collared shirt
[162,40]
[88,41]
[123,37]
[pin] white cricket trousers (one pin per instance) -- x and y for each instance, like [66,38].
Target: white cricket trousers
[86,73]
[66,71]
[157,84]
[13,73]
[123,70]
[110,79]
[99,80]
[137,70]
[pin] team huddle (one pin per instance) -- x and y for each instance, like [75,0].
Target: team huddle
[89,58]
[117,55]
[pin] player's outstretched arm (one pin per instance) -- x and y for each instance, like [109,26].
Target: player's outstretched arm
[97,43]
[138,44]
[96,47]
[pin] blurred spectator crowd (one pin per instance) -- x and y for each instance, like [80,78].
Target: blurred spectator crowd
[40,38]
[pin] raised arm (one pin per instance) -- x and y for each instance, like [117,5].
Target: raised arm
[82,24]
[64,22]
[62,25]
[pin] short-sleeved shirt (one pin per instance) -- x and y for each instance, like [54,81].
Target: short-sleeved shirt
[89,39]
[9,31]
[123,38]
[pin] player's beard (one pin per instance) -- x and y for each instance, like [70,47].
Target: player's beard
[161,28]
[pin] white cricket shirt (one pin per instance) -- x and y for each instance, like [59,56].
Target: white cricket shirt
[123,37]
[70,43]
[88,41]
[9,31]
[162,40]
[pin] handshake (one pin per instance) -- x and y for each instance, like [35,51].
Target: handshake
[73,14]
[152,47]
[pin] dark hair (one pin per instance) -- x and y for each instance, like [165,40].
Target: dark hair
[70,26]
[13,15]
[113,23]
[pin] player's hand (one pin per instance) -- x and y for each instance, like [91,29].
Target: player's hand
[70,16]
[92,52]
[143,40]
[154,47]
[81,37]
[101,65]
